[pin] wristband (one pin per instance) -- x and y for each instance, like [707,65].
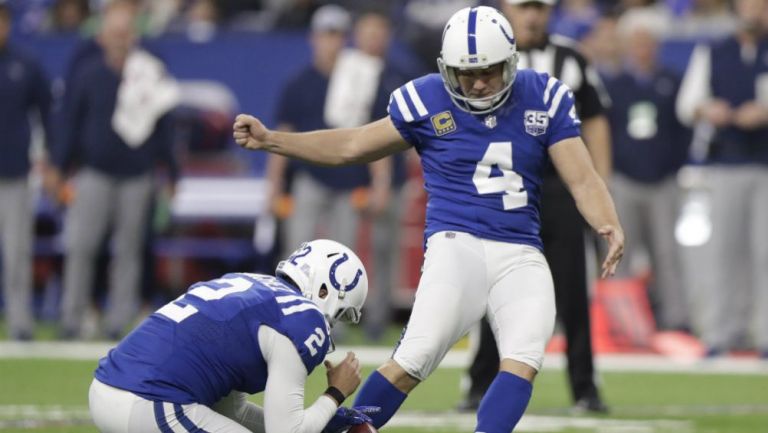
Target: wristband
[336,394]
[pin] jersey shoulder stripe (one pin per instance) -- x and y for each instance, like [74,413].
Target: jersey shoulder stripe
[290,304]
[550,90]
[416,99]
[297,308]
[562,90]
[551,83]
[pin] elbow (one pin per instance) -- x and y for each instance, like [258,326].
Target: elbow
[349,154]
[346,158]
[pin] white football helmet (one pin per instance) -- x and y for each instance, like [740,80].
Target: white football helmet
[477,38]
[330,275]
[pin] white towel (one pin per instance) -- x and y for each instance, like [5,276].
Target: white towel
[352,89]
[145,94]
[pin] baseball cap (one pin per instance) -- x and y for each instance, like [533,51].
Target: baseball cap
[331,18]
[519,2]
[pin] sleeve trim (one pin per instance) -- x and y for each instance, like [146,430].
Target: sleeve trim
[416,99]
[402,105]
[562,90]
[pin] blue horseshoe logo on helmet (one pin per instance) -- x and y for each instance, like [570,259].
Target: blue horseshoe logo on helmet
[332,275]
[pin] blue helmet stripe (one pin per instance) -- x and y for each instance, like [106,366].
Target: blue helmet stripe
[471,40]
[509,38]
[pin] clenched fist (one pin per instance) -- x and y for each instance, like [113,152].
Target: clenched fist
[249,132]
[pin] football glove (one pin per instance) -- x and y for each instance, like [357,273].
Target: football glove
[346,417]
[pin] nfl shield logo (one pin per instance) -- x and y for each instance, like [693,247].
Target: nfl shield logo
[536,122]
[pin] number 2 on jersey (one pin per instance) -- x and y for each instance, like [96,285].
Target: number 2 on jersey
[499,153]
[315,341]
[227,286]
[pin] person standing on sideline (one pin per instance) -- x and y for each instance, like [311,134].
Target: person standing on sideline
[649,148]
[191,364]
[116,160]
[23,89]
[325,199]
[362,80]
[563,229]
[725,85]
[484,131]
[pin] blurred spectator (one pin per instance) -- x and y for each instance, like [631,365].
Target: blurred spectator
[364,96]
[239,10]
[649,147]
[574,18]
[704,19]
[68,16]
[655,15]
[158,14]
[323,198]
[422,26]
[725,86]
[29,15]
[199,20]
[602,47]
[291,14]
[23,89]
[115,128]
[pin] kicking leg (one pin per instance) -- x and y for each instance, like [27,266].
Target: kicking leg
[452,295]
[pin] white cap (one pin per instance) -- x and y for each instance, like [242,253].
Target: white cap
[519,2]
[331,18]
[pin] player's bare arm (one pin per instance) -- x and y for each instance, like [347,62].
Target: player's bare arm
[572,160]
[596,133]
[326,147]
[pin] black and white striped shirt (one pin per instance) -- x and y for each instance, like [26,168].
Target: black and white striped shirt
[559,57]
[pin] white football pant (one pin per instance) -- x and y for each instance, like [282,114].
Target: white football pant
[118,411]
[465,277]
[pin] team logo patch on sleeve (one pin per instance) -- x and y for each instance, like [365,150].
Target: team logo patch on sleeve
[443,123]
[536,122]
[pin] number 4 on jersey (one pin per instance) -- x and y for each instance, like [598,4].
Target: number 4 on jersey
[510,183]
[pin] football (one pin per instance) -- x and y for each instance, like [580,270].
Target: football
[363,428]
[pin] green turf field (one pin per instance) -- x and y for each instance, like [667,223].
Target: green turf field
[51,396]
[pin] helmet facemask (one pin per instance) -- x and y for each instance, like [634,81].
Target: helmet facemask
[484,104]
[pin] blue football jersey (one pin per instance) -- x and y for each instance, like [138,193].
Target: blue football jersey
[204,344]
[483,173]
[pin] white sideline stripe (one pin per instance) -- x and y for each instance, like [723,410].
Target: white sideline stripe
[540,423]
[457,358]
[30,416]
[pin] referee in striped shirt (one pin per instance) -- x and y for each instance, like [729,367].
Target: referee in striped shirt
[562,226]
